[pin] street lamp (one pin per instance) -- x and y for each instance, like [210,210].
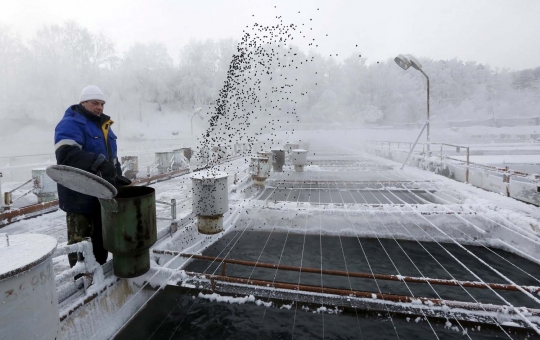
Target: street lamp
[406,61]
[196,112]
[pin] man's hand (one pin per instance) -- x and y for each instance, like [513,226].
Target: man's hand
[107,170]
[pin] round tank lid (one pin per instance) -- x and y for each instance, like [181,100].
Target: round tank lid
[207,174]
[81,181]
[299,150]
[24,252]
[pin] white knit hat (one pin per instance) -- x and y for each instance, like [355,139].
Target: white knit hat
[91,92]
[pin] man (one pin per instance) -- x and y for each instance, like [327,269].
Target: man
[84,139]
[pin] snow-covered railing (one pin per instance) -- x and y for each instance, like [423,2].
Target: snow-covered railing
[516,184]
[89,268]
[173,209]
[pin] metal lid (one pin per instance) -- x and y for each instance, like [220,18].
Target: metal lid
[81,181]
[22,252]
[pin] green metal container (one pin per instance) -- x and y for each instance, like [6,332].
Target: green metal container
[130,230]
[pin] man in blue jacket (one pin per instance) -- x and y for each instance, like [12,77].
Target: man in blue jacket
[84,139]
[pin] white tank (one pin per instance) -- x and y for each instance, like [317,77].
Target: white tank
[28,299]
[259,169]
[163,162]
[299,159]
[179,160]
[210,200]
[44,187]
[266,153]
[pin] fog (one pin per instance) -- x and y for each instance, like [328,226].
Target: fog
[282,80]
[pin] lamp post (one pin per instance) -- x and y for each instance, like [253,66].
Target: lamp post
[196,112]
[406,61]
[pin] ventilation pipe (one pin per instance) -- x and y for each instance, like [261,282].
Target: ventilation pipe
[28,299]
[44,187]
[210,200]
[299,159]
[259,170]
[278,159]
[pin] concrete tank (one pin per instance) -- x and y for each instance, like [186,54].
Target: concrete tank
[28,298]
[299,159]
[259,170]
[210,200]
[44,187]
[278,159]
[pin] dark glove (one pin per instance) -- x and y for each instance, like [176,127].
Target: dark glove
[107,170]
[122,181]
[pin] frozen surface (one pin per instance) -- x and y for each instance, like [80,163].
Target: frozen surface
[19,251]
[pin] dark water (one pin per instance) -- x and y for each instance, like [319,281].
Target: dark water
[175,312]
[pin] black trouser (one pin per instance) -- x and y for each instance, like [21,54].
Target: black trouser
[80,226]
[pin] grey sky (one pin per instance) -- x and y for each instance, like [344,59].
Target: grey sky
[502,33]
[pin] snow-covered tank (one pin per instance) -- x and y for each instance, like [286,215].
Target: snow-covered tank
[179,160]
[163,161]
[259,170]
[265,153]
[299,159]
[44,187]
[28,298]
[210,200]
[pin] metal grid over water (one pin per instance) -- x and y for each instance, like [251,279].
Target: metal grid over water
[401,307]
[177,313]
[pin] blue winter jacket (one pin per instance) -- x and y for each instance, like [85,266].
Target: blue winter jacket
[83,140]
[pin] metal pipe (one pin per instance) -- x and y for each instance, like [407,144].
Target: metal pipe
[428,140]
[22,185]
[173,208]
[415,142]
[387,277]
[467,171]
[355,293]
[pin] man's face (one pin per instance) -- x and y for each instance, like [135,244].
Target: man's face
[94,106]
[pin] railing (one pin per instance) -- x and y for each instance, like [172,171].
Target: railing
[173,209]
[422,147]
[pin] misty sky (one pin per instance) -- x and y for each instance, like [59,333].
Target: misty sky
[502,33]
